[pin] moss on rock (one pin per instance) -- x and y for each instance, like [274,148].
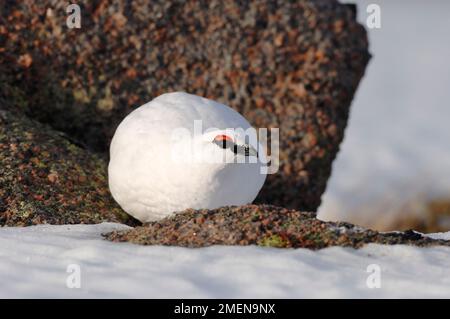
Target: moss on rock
[44,178]
[262,225]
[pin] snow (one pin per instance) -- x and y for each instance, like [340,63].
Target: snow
[395,150]
[34,261]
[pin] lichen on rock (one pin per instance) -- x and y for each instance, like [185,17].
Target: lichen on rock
[293,65]
[262,225]
[44,178]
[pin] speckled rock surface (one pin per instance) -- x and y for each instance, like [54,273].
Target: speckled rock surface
[262,225]
[46,179]
[293,65]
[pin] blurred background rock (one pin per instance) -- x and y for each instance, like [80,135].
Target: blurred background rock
[289,65]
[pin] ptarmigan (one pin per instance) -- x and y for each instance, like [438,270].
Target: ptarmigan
[161,162]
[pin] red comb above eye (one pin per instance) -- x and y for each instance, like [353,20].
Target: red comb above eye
[223,137]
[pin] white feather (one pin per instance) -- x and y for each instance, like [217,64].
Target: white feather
[149,183]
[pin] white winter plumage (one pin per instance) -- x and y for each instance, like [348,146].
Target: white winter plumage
[149,175]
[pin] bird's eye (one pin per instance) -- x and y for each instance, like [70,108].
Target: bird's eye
[223,141]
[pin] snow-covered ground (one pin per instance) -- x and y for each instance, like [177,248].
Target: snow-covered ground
[34,262]
[397,145]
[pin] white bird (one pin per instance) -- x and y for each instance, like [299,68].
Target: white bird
[161,162]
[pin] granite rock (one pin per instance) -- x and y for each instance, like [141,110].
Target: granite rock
[46,179]
[293,65]
[262,225]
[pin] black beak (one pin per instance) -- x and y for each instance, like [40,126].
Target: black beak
[246,149]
